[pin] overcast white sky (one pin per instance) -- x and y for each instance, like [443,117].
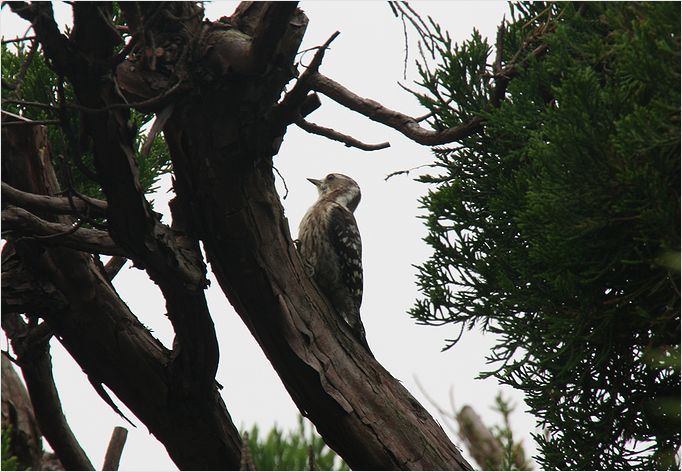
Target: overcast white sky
[368,59]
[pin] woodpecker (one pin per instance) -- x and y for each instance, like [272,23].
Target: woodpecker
[330,246]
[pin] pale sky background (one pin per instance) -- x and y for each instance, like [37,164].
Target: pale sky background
[367,58]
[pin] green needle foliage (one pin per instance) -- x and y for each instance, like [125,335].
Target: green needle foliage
[8,461]
[557,228]
[296,450]
[36,83]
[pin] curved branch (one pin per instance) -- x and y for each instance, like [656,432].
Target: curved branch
[403,123]
[58,205]
[83,239]
[334,135]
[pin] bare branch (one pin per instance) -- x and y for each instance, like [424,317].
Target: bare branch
[406,171]
[88,240]
[287,111]
[113,266]
[394,119]
[112,457]
[31,123]
[59,205]
[334,135]
[18,40]
[29,103]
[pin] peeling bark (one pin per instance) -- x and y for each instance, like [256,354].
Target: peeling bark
[217,86]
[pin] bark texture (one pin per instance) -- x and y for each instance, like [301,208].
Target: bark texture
[217,89]
[74,295]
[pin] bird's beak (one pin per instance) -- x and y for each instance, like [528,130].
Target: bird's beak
[315,182]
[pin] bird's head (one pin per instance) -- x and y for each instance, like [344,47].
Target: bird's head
[339,188]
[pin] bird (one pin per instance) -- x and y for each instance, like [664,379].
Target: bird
[331,248]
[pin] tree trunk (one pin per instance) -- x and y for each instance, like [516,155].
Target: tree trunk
[222,143]
[216,98]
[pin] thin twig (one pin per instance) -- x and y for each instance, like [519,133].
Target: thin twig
[30,123]
[74,227]
[29,103]
[286,188]
[18,40]
[406,171]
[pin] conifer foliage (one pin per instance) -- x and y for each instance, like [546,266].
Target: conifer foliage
[557,228]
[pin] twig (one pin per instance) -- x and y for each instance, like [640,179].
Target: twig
[405,171]
[334,135]
[18,40]
[422,29]
[112,457]
[24,67]
[29,103]
[287,110]
[74,227]
[30,123]
[286,188]
[113,106]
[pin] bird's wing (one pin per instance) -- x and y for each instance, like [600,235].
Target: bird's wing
[345,238]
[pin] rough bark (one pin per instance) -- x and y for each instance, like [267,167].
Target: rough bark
[31,346]
[217,92]
[222,146]
[103,336]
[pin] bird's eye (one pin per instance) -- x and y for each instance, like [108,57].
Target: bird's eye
[330,177]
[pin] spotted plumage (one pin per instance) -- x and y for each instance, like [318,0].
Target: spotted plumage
[331,246]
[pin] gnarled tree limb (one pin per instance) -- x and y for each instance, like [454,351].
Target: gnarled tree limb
[394,119]
[57,205]
[83,239]
[103,336]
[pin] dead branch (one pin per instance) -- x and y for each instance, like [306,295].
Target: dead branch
[18,40]
[57,205]
[287,110]
[391,118]
[31,123]
[334,135]
[113,266]
[485,448]
[112,457]
[25,223]
[405,171]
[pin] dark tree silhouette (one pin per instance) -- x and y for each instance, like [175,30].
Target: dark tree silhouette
[217,90]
